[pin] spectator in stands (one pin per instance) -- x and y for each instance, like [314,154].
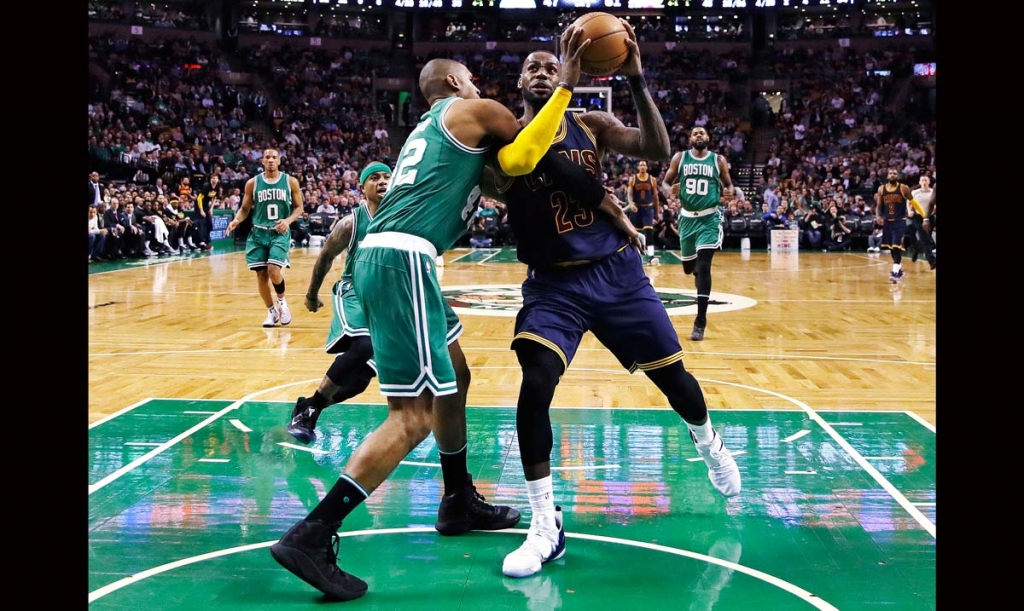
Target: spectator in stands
[156,230]
[811,227]
[837,229]
[667,225]
[773,220]
[184,226]
[97,236]
[327,207]
[479,237]
[95,192]
[300,230]
[771,196]
[134,235]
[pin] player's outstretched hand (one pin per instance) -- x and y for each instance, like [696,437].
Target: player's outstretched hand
[572,45]
[631,67]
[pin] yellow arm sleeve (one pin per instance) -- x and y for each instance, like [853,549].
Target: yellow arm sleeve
[522,155]
[917,206]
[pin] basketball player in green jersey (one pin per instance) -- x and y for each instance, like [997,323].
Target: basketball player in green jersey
[700,178]
[420,366]
[349,337]
[275,200]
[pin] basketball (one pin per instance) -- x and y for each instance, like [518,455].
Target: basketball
[607,50]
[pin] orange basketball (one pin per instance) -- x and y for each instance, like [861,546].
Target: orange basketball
[607,50]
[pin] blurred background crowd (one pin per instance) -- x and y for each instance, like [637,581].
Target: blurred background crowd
[811,106]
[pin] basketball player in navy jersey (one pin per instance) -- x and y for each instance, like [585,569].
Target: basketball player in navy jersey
[644,206]
[891,203]
[583,276]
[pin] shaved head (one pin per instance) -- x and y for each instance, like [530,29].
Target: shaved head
[434,77]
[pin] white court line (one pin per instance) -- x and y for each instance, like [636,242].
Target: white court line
[235,422]
[285,444]
[489,257]
[164,446]
[585,467]
[927,425]
[812,472]
[118,413]
[142,443]
[214,460]
[808,597]
[413,463]
[921,519]
[796,436]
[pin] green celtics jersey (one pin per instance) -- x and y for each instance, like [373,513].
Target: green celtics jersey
[699,185]
[271,200]
[435,187]
[360,222]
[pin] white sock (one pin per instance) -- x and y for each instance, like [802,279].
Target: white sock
[650,251]
[896,268]
[703,432]
[542,503]
[281,300]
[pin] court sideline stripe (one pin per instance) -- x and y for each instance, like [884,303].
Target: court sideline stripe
[860,460]
[168,444]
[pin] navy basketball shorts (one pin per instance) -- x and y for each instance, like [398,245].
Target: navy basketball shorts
[612,298]
[645,217]
[893,233]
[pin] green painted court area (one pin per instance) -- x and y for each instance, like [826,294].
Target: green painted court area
[837,512]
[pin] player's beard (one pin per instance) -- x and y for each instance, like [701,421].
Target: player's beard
[534,100]
[699,145]
[893,181]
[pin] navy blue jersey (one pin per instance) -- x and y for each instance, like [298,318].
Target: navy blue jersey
[548,217]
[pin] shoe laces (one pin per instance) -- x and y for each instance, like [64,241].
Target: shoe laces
[539,542]
[329,544]
[477,501]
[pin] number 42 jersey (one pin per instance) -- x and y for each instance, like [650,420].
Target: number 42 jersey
[435,187]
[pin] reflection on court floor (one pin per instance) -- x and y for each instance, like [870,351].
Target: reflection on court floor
[837,512]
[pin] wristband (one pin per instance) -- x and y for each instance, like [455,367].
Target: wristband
[565,86]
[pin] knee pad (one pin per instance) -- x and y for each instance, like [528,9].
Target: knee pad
[682,391]
[351,361]
[353,384]
[542,368]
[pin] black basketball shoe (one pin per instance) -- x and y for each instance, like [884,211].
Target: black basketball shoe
[467,510]
[303,422]
[309,550]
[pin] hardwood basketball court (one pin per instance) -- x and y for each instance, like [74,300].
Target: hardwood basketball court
[817,371]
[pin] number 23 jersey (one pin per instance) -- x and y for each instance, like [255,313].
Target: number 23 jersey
[550,224]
